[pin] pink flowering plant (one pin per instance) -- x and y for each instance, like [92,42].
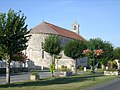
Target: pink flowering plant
[93,55]
[98,52]
[89,52]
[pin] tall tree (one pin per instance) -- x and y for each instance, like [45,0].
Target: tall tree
[13,37]
[108,53]
[106,46]
[52,46]
[74,50]
[116,53]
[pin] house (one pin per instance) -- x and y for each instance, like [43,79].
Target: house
[38,34]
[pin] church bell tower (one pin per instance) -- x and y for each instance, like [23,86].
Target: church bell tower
[75,27]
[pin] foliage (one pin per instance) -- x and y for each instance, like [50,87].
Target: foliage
[112,64]
[52,45]
[90,53]
[13,36]
[13,33]
[108,52]
[20,56]
[81,68]
[52,68]
[105,46]
[74,48]
[117,53]
[91,62]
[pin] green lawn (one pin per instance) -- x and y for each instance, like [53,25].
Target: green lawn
[68,83]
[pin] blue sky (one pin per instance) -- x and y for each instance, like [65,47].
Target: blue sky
[97,18]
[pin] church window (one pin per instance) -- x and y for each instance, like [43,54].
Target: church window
[75,27]
[42,53]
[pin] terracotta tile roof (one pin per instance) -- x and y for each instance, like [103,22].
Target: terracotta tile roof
[48,28]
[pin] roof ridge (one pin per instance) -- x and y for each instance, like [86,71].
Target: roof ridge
[45,27]
[60,27]
[49,26]
[64,29]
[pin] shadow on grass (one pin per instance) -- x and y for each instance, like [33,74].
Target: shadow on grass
[51,81]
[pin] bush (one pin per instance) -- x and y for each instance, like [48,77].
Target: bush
[81,68]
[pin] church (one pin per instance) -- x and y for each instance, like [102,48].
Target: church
[38,34]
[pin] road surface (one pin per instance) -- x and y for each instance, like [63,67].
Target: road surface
[112,85]
[25,76]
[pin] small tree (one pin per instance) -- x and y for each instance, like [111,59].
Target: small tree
[52,46]
[20,56]
[116,54]
[74,50]
[13,37]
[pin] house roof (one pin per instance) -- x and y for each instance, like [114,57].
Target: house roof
[48,28]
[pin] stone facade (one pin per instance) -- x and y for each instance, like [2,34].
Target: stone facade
[41,58]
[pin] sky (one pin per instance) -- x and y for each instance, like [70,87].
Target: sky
[97,18]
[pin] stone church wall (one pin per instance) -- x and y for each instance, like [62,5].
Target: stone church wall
[40,57]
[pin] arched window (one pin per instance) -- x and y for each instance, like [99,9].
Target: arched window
[42,53]
[75,27]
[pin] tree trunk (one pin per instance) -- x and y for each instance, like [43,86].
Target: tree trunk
[75,66]
[7,72]
[53,62]
[52,75]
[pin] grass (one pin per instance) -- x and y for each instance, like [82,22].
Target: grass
[68,83]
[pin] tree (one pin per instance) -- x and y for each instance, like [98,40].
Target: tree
[116,53]
[13,37]
[106,46]
[108,53]
[74,50]
[52,46]
[95,44]
[20,56]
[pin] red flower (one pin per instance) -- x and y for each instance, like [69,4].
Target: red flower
[87,52]
[98,52]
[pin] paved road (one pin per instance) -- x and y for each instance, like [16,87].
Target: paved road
[112,85]
[25,76]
